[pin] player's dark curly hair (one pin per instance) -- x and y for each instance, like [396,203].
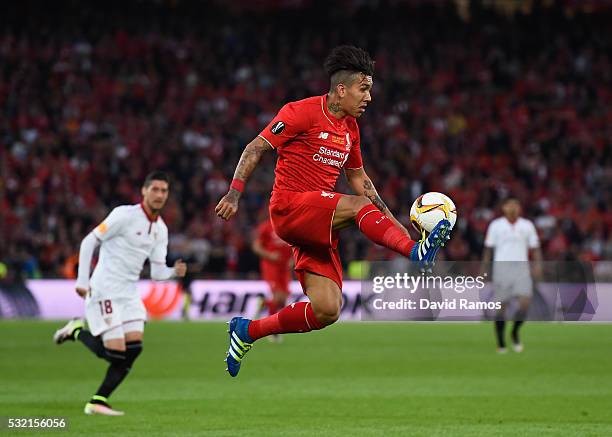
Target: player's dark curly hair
[156,175]
[345,61]
[349,58]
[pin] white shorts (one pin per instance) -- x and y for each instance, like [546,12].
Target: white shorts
[106,314]
[512,283]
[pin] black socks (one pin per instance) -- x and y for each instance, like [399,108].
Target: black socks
[500,326]
[120,364]
[116,372]
[94,344]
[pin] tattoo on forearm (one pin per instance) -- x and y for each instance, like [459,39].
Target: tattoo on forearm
[370,193]
[249,158]
[233,194]
[378,203]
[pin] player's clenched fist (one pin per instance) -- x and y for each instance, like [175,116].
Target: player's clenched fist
[82,292]
[228,205]
[180,268]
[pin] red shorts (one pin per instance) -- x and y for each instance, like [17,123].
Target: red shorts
[304,220]
[277,276]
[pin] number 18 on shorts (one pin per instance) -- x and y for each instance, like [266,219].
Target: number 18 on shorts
[105,314]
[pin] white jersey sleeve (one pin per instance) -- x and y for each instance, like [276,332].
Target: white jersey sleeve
[88,246]
[160,249]
[111,225]
[533,240]
[105,230]
[159,270]
[491,236]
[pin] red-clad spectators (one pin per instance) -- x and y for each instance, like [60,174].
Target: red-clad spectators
[93,97]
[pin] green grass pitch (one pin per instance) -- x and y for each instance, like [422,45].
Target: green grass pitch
[354,379]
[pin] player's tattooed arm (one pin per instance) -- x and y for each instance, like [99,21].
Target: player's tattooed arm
[249,159]
[370,192]
[362,185]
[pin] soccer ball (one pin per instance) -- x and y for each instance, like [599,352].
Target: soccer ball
[429,208]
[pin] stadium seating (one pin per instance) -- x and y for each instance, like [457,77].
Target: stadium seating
[93,98]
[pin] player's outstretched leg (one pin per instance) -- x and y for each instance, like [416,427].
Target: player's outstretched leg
[75,330]
[121,362]
[381,230]
[299,317]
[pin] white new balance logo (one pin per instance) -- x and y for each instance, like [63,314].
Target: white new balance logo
[326,194]
[323,135]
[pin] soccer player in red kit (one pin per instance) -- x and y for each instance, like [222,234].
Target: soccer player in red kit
[315,139]
[275,263]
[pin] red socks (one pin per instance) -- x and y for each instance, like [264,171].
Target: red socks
[381,230]
[297,317]
[272,307]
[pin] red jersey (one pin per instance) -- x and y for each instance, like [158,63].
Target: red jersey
[312,145]
[273,243]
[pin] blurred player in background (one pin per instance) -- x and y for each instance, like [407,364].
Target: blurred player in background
[185,282]
[182,248]
[115,313]
[275,267]
[512,239]
[315,139]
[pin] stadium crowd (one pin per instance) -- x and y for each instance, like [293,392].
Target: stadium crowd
[93,98]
